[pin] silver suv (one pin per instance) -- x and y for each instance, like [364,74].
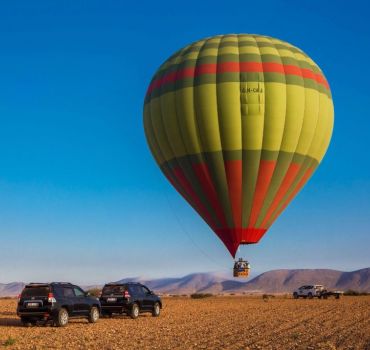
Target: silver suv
[309,291]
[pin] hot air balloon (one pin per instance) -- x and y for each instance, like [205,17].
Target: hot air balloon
[238,124]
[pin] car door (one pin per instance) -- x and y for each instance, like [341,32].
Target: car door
[137,294]
[310,290]
[148,298]
[82,301]
[69,299]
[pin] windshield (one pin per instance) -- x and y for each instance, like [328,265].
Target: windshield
[114,289]
[36,291]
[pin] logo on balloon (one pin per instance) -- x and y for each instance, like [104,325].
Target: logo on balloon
[245,90]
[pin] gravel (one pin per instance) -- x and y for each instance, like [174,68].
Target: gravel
[214,323]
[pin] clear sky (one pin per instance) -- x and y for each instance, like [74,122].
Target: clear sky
[81,198]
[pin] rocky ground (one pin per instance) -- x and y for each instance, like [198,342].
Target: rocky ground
[212,323]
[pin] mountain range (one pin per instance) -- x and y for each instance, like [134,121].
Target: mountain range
[275,281]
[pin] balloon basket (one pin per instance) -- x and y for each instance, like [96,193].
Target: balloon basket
[241,274]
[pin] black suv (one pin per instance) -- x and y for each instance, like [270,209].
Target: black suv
[129,298]
[56,302]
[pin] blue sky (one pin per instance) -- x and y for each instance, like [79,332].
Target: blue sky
[81,198]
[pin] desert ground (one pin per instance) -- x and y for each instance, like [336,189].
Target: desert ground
[233,322]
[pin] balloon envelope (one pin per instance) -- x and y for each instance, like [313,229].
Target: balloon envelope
[238,124]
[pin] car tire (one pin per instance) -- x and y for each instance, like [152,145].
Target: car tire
[295,295]
[156,310]
[135,311]
[94,315]
[62,318]
[310,296]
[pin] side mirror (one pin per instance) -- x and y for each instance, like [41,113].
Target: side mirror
[87,294]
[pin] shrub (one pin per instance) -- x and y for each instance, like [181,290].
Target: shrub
[10,341]
[267,296]
[355,293]
[200,295]
[95,292]
[295,335]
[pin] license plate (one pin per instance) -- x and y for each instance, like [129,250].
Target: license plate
[111,300]
[32,304]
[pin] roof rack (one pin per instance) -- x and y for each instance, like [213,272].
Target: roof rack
[115,283]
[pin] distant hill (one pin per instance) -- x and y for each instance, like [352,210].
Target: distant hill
[275,281]
[278,281]
[195,282]
[11,289]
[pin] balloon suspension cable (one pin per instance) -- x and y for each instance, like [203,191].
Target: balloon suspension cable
[190,238]
[238,255]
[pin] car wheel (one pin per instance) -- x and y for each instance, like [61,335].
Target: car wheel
[295,295]
[135,311]
[62,318]
[310,295]
[156,310]
[93,315]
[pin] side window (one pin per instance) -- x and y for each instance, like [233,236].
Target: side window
[68,292]
[132,290]
[78,292]
[138,290]
[145,290]
[58,291]
[135,290]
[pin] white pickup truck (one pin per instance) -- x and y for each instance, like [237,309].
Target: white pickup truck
[315,291]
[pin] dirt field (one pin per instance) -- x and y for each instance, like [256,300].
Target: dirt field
[212,323]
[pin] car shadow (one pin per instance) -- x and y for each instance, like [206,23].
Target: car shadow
[10,322]
[124,317]
[14,322]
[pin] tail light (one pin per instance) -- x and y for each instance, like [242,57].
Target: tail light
[126,294]
[19,297]
[51,298]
